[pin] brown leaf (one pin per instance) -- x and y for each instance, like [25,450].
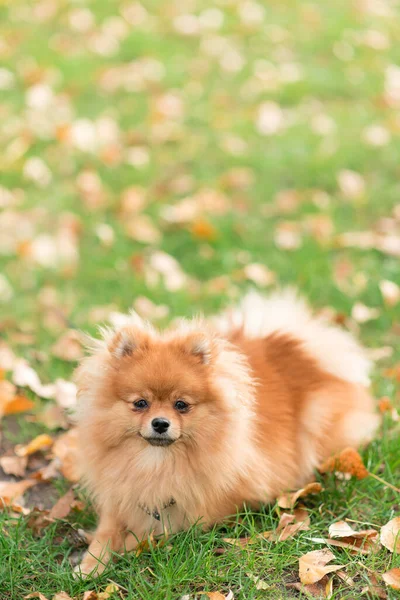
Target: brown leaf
[62,507]
[36,595]
[49,472]
[312,590]
[289,500]
[214,595]
[343,543]
[68,346]
[66,450]
[9,490]
[312,566]
[90,595]
[53,417]
[342,529]
[374,588]
[41,442]
[289,525]
[348,461]
[14,465]
[392,578]
[390,535]
[146,544]
[62,596]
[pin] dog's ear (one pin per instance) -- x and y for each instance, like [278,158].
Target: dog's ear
[198,345]
[126,341]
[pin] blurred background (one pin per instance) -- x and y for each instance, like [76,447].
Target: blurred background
[168,155]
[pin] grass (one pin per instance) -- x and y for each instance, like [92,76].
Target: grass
[312,59]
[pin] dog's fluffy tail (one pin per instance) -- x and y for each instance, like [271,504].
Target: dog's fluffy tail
[336,350]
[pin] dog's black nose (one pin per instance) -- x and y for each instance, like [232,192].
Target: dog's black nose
[160,425]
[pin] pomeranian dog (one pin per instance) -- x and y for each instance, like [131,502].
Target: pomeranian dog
[190,424]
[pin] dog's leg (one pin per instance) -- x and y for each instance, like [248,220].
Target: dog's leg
[108,538]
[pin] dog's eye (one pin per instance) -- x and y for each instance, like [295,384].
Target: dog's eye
[141,404]
[181,405]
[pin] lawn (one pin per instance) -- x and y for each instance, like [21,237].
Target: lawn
[169,156]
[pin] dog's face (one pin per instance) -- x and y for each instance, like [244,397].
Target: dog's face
[158,392]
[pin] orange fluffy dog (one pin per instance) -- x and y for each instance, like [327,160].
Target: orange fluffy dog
[190,424]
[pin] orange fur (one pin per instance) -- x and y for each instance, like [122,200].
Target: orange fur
[263,414]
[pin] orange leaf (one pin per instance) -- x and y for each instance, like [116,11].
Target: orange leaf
[14,465]
[348,461]
[41,442]
[203,230]
[392,578]
[17,405]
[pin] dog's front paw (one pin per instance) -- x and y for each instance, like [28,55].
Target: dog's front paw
[89,567]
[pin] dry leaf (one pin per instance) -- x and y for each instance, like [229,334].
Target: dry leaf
[36,595]
[62,596]
[112,588]
[346,578]
[14,465]
[53,417]
[203,230]
[342,529]
[90,595]
[348,461]
[66,450]
[63,506]
[392,578]
[146,544]
[18,404]
[312,590]
[241,542]
[259,583]
[214,595]
[259,274]
[390,292]
[374,588]
[289,525]
[390,535]
[68,346]
[312,566]
[41,442]
[9,490]
[290,499]
[343,543]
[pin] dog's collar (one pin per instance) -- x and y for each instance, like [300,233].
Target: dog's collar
[155,513]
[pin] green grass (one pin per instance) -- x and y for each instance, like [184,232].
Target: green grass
[340,76]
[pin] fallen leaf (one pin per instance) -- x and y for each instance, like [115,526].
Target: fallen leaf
[374,588]
[348,461]
[53,417]
[289,525]
[9,490]
[342,529]
[66,450]
[41,442]
[341,544]
[346,578]
[112,588]
[49,472]
[214,595]
[62,596]
[146,544]
[90,595]
[62,507]
[203,230]
[392,578]
[7,394]
[362,313]
[259,274]
[312,590]
[351,184]
[36,595]
[259,583]
[68,346]
[390,292]
[14,465]
[313,565]
[241,542]
[289,500]
[390,535]
[18,404]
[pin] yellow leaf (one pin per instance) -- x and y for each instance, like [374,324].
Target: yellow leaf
[41,442]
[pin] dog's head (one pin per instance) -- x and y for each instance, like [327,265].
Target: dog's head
[150,389]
